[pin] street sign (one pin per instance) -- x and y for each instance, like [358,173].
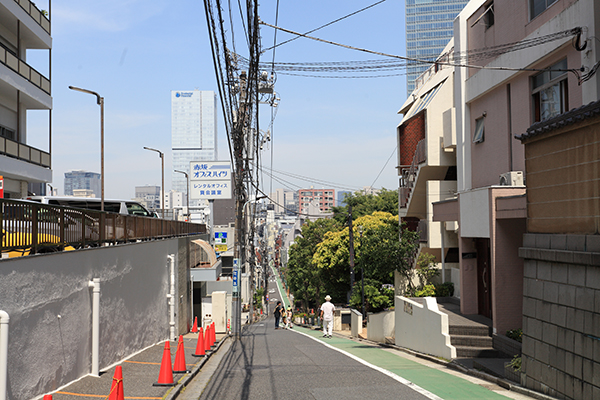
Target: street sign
[220,237]
[210,180]
[236,271]
[221,248]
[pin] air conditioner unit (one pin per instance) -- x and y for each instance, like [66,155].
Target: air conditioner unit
[512,178]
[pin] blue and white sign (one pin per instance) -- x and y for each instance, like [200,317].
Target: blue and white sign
[210,180]
[236,271]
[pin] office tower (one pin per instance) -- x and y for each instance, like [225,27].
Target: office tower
[82,180]
[193,132]
[429,27]
[324,199]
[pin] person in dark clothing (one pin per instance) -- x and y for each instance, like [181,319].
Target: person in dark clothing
[277,313]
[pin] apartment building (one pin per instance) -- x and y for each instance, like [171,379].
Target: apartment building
[22,88]
[323,198]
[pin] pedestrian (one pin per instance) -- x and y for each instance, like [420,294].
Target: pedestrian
[289,318]
[327,310]
[277,313]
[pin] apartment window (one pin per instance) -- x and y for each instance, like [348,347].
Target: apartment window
[479,130]
[536,7]
[8,133]
[550,92]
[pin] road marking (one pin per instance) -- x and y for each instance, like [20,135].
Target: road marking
[398,378]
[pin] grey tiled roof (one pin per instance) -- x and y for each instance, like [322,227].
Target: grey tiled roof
[568,118]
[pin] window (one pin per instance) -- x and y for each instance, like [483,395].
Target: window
[536,7]
[550,92]
[479,130]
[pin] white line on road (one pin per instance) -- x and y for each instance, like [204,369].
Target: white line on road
[398,378]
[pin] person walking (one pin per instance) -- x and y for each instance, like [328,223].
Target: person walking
[277,313]
[327,310]
[288,317]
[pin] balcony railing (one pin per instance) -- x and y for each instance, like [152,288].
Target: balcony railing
[23,152]
[35,13]
[30,228]
[25,70]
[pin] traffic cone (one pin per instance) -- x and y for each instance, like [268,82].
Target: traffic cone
[179,364]
[200,350]
[116,389]
[165,376]
[213,335]
[195,327]
[47,397]
[207,339]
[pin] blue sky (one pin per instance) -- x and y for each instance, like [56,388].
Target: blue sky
[134,53]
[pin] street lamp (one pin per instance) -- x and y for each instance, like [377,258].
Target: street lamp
[100,101]
[362,273]
[187,191]
[162,187]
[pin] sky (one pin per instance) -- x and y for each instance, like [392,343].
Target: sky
[133,53]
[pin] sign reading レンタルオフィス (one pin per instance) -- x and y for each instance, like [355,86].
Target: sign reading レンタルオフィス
[210,180]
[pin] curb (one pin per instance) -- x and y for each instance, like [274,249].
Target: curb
[187,378]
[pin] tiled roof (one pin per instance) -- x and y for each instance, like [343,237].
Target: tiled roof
[568,118]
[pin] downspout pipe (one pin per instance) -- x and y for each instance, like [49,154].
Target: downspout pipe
[171,297]
[3,353]
[95,284]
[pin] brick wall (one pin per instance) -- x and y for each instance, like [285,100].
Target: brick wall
[410,134]
[561,315]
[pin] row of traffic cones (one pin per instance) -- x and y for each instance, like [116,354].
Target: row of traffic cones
[206,341]
[165,378]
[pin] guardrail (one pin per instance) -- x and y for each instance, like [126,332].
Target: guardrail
[31,228]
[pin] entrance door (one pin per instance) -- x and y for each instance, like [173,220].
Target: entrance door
[484,279]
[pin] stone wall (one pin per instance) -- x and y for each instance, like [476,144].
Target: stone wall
[561,315]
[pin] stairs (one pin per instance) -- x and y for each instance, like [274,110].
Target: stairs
[472,341]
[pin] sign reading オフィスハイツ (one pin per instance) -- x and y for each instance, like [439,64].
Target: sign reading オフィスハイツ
[210,180]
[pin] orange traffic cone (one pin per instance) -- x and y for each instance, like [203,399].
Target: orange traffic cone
[207,339]
[213,336]
[179,364]
[200,350]
[165,376]
[116,389]
[195,327]
[47,397]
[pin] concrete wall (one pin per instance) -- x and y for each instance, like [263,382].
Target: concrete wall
[47,351]
[422,327]
[380,326]
[561,315]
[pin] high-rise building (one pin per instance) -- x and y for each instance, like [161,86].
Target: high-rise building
[24,29]
[149,196]
[193,132]
[82,180]
[429,27]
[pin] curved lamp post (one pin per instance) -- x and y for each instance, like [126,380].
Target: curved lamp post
[100,101]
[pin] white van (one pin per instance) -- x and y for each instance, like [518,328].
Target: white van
[125,207]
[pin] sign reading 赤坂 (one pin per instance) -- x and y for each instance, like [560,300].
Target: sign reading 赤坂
[210,180]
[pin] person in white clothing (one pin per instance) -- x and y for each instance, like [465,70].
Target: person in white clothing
[327,310]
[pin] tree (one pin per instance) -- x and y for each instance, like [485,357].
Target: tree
[303,277]
[366,204]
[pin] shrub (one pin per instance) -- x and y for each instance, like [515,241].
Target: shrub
[444,290]
[515,334]
[515,363]
[427,291]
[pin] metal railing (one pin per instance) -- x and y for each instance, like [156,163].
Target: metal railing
[37,15]
[24,152]
[409,175]
[30,228]
[19,66]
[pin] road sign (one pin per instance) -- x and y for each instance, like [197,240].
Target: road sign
[220,237]
[221,248]
[236,271]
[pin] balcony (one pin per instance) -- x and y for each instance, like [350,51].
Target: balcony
[9,59]
[23,152]
[35,13]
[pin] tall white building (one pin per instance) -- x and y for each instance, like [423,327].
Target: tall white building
[193,132]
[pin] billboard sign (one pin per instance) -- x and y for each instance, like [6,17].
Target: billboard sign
[210,180]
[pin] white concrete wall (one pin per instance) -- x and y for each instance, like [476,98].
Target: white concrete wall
[219,311]
[356,325]
[423,327]
[380,326]
[47,352]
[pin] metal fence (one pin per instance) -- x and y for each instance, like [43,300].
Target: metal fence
[30,228]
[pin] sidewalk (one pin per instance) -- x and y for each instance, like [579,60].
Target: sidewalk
[141,371]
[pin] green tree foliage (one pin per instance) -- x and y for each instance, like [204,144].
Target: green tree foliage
[367,204]
[303,277]
[377,297]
